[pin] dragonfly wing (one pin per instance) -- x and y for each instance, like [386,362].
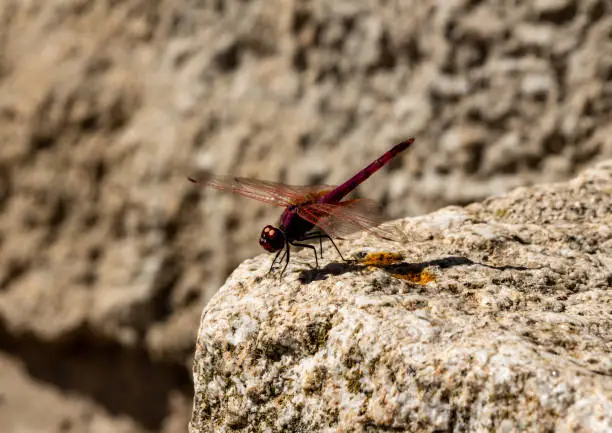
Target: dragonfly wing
[265,191]
[349,216]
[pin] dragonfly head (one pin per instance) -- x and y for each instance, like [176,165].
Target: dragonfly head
[272,239]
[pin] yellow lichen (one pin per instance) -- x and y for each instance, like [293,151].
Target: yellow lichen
[420,277]
[391,261]
[381,259]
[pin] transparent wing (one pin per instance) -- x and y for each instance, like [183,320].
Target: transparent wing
[265,191]
[349,216]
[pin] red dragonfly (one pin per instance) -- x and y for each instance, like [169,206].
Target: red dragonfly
[312,212]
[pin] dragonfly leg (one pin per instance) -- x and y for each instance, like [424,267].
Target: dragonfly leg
[314,250]
[320,236]
[336,247]
[276,258]
[287,253]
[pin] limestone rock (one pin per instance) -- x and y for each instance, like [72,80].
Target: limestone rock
[494,317]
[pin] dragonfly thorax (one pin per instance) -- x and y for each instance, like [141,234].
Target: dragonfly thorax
[272,239]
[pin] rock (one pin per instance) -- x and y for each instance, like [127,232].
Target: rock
[558,10]
[494,317]
[108,254]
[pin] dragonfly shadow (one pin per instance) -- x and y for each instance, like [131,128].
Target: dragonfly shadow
[393,264]
[334,268]
[452,261]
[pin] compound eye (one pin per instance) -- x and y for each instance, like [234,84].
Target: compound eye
[272,239]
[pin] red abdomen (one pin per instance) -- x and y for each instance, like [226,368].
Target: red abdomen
[339,192]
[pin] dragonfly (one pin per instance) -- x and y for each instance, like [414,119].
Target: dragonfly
[313,211]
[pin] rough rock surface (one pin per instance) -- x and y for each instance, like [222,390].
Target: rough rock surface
[493,317]
[107,254]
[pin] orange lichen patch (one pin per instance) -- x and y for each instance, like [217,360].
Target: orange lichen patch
[381,259]
[420,277]
[391,262]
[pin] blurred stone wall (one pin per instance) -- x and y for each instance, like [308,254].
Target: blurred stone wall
[108,254]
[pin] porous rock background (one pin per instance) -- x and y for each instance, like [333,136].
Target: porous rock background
[107,254]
